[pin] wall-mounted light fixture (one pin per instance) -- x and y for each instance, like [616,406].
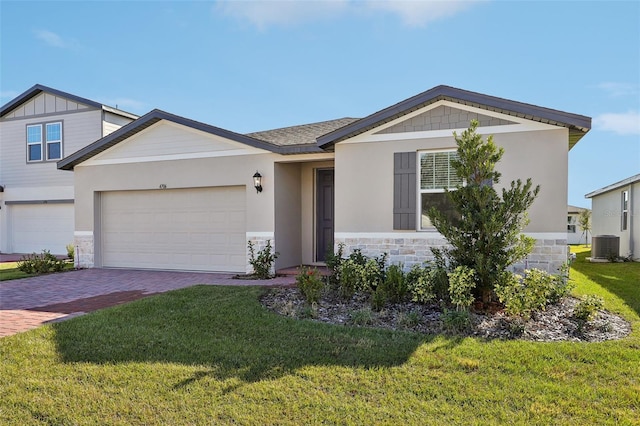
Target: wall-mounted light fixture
[257,181]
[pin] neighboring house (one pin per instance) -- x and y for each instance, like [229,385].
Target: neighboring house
[167,192]
[37,129]
[574,234]
[615,212]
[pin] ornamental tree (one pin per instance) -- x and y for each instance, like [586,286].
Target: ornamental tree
[486,233]
[584,223]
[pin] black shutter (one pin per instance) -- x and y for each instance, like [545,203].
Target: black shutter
[404,190]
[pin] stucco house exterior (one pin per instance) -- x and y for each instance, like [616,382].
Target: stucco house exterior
[171,193]
[37,129]
[615,212]
[574,234]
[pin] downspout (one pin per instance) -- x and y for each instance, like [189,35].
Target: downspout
[631,242]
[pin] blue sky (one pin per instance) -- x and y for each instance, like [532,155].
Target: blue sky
[257,65]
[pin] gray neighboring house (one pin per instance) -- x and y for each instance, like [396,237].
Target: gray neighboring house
[167,192]
[38,128]
[615,211]
[574,234]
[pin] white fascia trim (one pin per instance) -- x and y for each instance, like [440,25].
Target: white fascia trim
[259,235]
[522,125]
[83,233]
[173,157]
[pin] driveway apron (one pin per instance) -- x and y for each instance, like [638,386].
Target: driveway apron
[31,302]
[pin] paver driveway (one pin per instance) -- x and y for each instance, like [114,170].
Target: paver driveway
[30,302]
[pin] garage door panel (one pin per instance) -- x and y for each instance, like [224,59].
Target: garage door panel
[190,229]
[37,227]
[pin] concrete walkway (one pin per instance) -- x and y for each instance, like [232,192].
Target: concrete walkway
[30,302]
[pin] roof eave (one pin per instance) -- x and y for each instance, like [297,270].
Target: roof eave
[578,125]
[624,182]
[148,120]
[36,90]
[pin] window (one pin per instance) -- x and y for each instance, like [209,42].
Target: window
[571,224]
[44,142]
[625,210]
[436,175]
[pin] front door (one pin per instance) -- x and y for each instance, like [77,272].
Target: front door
[324,213]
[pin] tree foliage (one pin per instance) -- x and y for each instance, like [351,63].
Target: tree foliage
[487,234]
[584,223]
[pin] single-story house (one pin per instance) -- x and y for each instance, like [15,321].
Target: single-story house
[168,192]
[615,212]
[574,234]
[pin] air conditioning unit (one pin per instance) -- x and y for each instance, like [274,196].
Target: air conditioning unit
[605,246]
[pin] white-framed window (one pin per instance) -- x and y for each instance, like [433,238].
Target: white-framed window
[435,174]
[625,210]
[571,224]
[44,142]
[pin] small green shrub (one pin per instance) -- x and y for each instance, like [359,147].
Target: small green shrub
[456,321]
[588,307]
[310,284]
[395,284]
[461,283]
[523,295]
[349,283]
[409,319]
[40,263]
[263,263]
[71,251]
[333,261]
[378,299]
[420,284]
[362,317]
[360,274]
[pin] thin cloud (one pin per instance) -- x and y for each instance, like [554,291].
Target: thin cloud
[263,14]
[420,13]
[615,90]
[55,40]
[622,124]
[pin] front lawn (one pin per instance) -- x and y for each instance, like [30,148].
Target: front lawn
[10,271]
[214,355]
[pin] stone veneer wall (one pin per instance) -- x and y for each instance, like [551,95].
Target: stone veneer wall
[259,242]
[547,255]
[84,249]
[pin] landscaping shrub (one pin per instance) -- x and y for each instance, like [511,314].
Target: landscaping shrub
[456,321]
[71,251]
[523,295]
[420,284]
[395,284]
[263,263]
[461,282]
[40,263]
[333,261]
[310,284]
[360,274]
[588,307]
[485,233]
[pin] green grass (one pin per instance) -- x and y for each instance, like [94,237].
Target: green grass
[213,355]
[10,271]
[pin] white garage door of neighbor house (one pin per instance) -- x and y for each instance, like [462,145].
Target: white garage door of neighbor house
[196,229]
[37,227]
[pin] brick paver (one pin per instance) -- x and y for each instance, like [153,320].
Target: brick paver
[30,302]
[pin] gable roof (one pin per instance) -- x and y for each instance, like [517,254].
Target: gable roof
[578,125]
[147,120]
[38,88]
[628,181]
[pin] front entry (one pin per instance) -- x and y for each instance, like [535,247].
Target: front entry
[324,212]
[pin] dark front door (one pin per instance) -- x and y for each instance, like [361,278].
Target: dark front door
[324,213]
